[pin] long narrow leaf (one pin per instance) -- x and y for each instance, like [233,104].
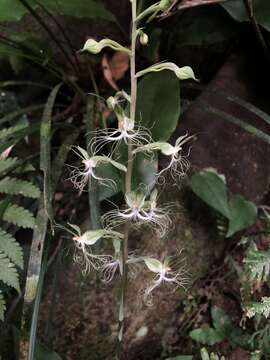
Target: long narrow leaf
[45,150]
[234,120]
[34,267]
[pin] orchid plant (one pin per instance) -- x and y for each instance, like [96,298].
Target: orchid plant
[141,204]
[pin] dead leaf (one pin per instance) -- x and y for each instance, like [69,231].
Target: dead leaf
[115,68]
[108,73]
[6,153]
[119,65]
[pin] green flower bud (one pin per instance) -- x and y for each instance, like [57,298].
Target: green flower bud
[164,4]
[143,38]
[111,102]
[182,73]
[95,47]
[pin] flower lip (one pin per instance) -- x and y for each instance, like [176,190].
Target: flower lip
[89,163]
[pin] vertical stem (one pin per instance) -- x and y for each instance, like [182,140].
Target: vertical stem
[128,186]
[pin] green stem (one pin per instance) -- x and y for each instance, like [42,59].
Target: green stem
[128,186]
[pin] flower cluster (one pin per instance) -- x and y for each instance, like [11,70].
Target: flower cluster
[141,210]
[142,205]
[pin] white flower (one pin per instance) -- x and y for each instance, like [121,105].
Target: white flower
[139,210]
[88,170]
[135,202]
[178,164]
[127,132]
[84,242]
[170,272]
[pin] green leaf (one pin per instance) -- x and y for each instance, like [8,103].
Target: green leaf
[202,26]
[18,135]
[257,264]
[221,321]
[2,306]
[144,171]
[261,9]
[43,353]
[155,109]
[211,188]
[207,336]
[11,248]
[243,214]
[13,10]
[262,308]
[14,186]
[19,216]
[8,272]
[108,171]
[8,132]
[7,163]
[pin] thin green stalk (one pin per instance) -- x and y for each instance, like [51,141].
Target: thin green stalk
[234,120]
[124,249]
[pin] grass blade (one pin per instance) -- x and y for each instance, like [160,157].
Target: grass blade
[234,120]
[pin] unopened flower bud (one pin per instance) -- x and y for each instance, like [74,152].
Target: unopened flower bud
[95,47]
[144,38]
[111,102]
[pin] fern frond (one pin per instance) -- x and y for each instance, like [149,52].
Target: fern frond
[14,186]
[2,306]
[257,264]
[7,163]
[19,216]
[261,308]
[11,248]
[8,272]
[7,132]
